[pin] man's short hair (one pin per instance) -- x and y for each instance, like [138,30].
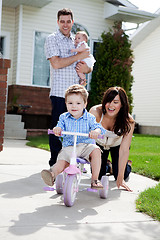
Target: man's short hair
[65,11]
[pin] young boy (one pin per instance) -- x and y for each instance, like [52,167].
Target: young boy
[77,119]
[81,45]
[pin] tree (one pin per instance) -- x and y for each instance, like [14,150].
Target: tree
[114,59]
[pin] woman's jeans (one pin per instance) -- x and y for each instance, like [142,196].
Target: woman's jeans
[114,151]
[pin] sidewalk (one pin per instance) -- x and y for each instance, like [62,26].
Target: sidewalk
[30,213]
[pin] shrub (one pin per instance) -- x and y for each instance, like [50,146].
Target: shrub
[114,59]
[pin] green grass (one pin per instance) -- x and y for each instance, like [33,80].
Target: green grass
[39,142]
[145,155]
[149,202]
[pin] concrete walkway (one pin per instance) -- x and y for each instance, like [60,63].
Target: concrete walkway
[28,212]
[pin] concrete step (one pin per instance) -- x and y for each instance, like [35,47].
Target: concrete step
[15,134]
[14,125]
[14,128]
[13,118]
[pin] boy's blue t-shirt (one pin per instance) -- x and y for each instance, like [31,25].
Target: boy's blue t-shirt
[84,124]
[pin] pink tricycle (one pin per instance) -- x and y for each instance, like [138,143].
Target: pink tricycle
[67,182]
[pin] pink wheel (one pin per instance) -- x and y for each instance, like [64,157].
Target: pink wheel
[59,183]
[70,190]
[105,182]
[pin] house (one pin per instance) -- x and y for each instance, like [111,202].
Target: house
[24,27]
[146,73]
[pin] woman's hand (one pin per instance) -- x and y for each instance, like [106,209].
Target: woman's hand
[121,183]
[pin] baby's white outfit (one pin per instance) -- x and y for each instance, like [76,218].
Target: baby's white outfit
[90,60]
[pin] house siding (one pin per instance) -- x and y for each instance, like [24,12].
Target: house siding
[146,87]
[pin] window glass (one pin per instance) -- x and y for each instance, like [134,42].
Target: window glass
[41,72]
[2,45]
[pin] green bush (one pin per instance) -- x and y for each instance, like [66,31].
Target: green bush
[113,65]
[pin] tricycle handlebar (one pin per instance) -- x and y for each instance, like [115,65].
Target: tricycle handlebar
[75,134]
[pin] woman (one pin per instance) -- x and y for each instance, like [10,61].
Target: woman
[113,114]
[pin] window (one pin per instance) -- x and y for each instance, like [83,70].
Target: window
[77,27]
[41,72]
[2,45]
[95,44]
[5,44]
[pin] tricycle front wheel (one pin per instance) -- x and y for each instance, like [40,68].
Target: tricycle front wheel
[70,190]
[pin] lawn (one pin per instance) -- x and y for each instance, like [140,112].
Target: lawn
[145,155]
[149,202]
[39,142]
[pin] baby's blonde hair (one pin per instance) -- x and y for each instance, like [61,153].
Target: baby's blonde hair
[77,89]
[84,34]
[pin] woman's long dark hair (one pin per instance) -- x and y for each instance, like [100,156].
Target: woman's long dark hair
[122,123]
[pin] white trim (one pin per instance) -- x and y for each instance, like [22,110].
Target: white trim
[143,31]
[126,14]
[19,43]
[125,3]
[91,48]
[33,48]
[6,36]
[28,85]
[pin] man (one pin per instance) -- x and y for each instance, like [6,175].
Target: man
[62,71]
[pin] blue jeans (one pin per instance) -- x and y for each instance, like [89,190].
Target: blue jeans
[115,158]
[58,107]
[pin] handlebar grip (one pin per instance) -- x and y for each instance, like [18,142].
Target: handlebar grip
[50,131]
[101,136]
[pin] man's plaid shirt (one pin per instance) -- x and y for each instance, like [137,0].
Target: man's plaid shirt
[60,79]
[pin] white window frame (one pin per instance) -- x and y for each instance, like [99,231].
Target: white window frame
[92,41]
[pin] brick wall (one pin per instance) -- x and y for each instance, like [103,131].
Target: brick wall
[37,97]
[4,65]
